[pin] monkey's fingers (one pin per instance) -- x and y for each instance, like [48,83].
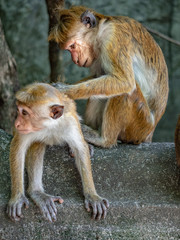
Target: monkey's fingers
[11,211]
[104,211]
[58,199]
[106,202]
[46,203]
[48,209]
[48,213]
[52,212]
[94,210]
[61,86]
[99,208]
[52,208]
[25,203]
[18,211]
[105,206]
[14,210]
[87,205]
[99,211]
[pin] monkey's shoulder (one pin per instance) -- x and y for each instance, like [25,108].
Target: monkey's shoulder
[129,25]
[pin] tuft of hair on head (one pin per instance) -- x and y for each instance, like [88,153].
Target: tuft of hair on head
[67,20]
[33,93]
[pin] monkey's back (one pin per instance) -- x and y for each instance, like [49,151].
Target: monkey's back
[135,44]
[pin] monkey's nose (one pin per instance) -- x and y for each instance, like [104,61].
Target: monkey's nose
[17,124]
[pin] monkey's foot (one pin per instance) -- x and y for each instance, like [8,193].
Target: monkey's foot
[46,204]
[14,208]
[98,205]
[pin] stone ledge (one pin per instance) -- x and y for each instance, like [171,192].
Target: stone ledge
[141,182]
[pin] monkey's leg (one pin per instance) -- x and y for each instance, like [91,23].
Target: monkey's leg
[125,117]
[140,121]
[35,169]
[95,118]
[18,199]
[94,112]
[109,126]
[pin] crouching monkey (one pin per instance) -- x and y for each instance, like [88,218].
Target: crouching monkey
[45,116]
[177,142]
[128,89]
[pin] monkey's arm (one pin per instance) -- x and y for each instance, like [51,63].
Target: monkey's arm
[98,204]
[85,79]
[18,199]
[44,201]
[63,87]
[107,85]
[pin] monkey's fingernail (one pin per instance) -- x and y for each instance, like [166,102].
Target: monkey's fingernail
[61,201]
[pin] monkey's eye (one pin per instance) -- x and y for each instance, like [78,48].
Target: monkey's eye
[72,46]
[24,112]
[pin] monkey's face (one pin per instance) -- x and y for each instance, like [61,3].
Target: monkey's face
[36,118]
[26,120]
[82,53]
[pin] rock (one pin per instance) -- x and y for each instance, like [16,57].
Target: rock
[141,183]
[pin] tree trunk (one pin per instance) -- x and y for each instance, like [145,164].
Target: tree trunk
[55,54]
[177,141]
[8,85]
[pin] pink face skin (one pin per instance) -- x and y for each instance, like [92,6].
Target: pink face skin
[81,52]
[26,122]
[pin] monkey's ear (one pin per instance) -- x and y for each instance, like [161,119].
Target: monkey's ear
[88,19]
[56,111]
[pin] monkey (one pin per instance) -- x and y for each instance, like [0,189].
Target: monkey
[177,141]
[127,90]
[45,116]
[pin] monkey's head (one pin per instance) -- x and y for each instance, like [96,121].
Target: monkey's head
[38,106]
[76,32]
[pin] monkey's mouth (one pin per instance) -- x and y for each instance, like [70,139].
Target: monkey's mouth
[27,131]
[24,132]
[84,65]
[80,64]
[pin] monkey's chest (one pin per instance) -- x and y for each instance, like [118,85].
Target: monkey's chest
[53,137]
[54,140]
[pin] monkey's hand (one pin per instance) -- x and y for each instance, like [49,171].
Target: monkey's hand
[62,87]
[46,204]
[98,205]
[14,208]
